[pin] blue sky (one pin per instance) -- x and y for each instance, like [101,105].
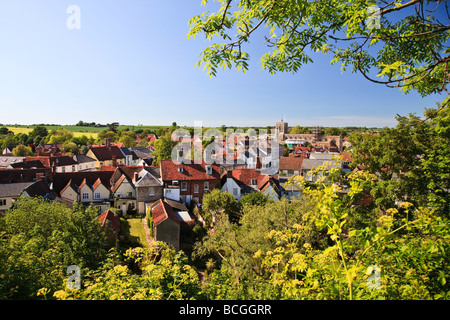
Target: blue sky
[130,62]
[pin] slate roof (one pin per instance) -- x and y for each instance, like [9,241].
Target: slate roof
[9,190]
[81,158]
[105,153]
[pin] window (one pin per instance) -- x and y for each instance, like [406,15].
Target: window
[97,195]
[85,196]
[253,182]
[208,170]
[73,168]
[129,194]
[195,188]
[175,183]
[206,185]
[151,191]
[235,191]
[183,186]
[2,202]
[63,169]
[180,169]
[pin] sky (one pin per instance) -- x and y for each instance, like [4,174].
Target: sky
[131,62]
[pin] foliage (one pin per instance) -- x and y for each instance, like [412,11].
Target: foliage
[22,151]
[163,148]
[163,274]
[216,202]
[40,240]
[405,49]
[411,161]
[128,138]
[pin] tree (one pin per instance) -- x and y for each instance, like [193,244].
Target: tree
[22,151]
[113,126]
[410,160]
[404,48]
[299,130]
[163,148]
[40,239]
[216,202]
[128,138]
[71,148]
[37,135]
[60,136]
[254,199]
[4,131]
[105,134]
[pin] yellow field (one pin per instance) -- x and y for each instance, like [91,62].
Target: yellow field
[75,134]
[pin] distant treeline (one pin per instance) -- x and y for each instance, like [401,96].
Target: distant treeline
[90,124]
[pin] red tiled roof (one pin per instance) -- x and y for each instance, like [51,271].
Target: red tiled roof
[290,163]
[112,217]
[169,171]
[161,211]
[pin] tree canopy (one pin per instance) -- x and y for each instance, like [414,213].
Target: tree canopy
[406,47]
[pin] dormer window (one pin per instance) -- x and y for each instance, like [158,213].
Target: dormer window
[180,169]
[253,182]
[208,170]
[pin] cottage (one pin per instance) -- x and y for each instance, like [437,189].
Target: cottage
[291,165]
[242,181]
[84,162]
[188,182]
[108,155]
[168,218]
[11,191]
[87,188]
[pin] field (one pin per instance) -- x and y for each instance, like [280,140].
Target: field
[27,129]
[80,130]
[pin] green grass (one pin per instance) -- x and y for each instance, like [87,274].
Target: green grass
[134,230]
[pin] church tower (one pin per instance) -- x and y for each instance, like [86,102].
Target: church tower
[283,128]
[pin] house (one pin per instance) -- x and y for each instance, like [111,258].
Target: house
[49,149]
[346,161]
[124,194]
[9,192]
[291,165]
[168,217]
[87,188]
[24,175]
[6,161]
[242,181]
[64,164]
[188,182]
[84,162]
[149,187]
[111,220]
[108,155]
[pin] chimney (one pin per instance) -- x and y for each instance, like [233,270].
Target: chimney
[114,161]
[108,143]
[39,150]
